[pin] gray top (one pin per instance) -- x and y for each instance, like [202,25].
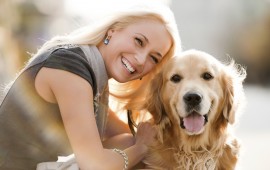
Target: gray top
[31,129]
[101,98]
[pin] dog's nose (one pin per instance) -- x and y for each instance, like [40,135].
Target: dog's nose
[192,99]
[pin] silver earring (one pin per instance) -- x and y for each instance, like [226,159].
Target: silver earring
[107,40]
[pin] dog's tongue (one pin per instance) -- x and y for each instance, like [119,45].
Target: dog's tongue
[194,122]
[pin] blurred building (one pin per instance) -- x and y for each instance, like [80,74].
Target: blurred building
[240,29]
[24,26]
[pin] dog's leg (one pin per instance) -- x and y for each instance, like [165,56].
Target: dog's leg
[230,156]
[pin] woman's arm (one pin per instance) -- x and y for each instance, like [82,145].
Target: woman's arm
[74,96]
[115,125]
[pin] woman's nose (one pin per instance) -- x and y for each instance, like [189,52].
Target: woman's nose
[141,59]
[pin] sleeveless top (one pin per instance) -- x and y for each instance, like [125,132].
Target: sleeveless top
[31,129]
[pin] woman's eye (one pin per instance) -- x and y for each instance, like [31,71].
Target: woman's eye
[207,76]
[139,41]
[154,59]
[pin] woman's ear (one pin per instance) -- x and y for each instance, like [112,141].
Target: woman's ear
[110,32]
[154,100]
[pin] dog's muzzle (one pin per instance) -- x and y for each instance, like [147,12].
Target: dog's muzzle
[194,121]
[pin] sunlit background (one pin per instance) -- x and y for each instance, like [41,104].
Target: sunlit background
[239,28]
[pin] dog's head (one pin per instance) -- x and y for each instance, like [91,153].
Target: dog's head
[194,90]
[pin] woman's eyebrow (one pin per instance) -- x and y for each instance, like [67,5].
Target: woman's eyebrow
[145,38]
[158,54]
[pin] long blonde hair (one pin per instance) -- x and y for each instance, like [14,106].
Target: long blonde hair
[95,33]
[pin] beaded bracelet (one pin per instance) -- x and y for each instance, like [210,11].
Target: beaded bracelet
[122,153]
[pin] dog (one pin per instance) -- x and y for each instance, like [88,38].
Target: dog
[194,102]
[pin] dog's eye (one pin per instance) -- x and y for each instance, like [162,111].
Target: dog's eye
[207,76]
[176,78]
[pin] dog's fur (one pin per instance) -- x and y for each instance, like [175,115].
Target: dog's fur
[195,84]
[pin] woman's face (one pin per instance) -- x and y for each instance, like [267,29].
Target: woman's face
[135,50]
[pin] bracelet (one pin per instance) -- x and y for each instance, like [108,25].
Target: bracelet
[122,153]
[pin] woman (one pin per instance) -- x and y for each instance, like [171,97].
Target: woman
[58,104]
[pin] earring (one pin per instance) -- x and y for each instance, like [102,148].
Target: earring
[141,78]
[107,40]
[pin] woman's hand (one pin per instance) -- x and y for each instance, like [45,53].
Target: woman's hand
[146,134]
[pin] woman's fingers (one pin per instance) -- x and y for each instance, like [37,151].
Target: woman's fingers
[146,133]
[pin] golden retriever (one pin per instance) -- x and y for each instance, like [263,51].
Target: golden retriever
[194,101]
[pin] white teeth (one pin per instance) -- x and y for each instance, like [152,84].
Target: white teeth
[128,66]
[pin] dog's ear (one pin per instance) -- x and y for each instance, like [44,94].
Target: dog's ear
[228,110]
[154,101]
[232,81]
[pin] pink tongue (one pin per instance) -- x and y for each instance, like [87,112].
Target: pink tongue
[194,122]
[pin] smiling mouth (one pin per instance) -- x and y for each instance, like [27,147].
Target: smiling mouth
[128,65]
[194,122]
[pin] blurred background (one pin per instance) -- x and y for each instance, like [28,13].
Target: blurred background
[238,28]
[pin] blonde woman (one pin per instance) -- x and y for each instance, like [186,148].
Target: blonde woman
[58,104]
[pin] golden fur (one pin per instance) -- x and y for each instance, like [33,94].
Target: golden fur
[211,146]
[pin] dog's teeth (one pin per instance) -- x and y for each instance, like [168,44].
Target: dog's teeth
[205,118]
[182,123]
